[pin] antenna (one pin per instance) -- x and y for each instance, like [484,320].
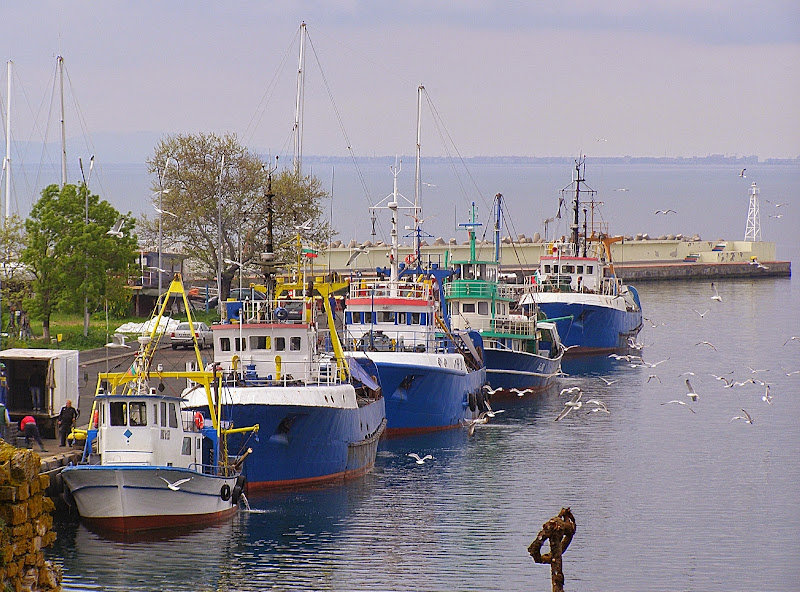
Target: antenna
[753,230]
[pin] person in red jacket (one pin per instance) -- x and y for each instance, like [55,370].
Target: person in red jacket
[31,430]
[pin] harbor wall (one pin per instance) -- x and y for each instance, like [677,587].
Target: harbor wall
[26,523]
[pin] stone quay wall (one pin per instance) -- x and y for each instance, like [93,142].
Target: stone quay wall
[26,523]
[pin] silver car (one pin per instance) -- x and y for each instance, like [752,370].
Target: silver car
[182,336]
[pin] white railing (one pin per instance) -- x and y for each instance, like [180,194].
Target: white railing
[387,289]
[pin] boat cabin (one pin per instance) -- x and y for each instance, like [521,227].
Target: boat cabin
[565,271]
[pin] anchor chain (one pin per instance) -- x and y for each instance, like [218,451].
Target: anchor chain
[559,532]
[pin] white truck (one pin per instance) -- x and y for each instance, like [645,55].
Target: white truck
[55,371]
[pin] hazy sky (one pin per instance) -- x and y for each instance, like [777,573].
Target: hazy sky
[629,77]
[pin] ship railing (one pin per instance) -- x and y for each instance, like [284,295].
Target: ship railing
[397,341]
[388,289]
[522,327]
[292,373]
[224,470]
[478,289]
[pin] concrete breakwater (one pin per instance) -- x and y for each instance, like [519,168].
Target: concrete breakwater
[26,523]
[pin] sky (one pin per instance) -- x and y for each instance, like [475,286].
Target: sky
[629,77]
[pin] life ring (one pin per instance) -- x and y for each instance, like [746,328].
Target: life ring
[410,258]
[225,492]
[281,313]
[241,480]
[95,418]
[199,420]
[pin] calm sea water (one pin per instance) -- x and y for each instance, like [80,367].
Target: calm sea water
[665,499]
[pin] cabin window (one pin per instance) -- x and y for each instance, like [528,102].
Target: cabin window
[386,316]
[580,268]
[198,443]
[137,413]
[259,342]
[348,318]
[402,318]
[186,448]
[481,275]
[225,344]
[367,318]
[468,307]
[491,274]
[590,269]
[280,344]
[483,308]
[163,414]
[547,269]
[469,272]
[155,413]
[241,344]
[454,308]
[118,413]
[567,269]
[555,268]
[415,318]
[294,343]
[173,416]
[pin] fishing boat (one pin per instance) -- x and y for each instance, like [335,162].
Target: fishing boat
[148,464]
[521,351]
[320,418]
[576,285]
[432,377]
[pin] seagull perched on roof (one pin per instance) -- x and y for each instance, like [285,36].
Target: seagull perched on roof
[746,417]
[116,230]
[420,461]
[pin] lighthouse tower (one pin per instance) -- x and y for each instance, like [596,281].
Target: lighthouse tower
[753,230]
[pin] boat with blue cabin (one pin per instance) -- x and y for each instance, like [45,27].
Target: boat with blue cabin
[521,352]
[320,418]
[432,377]
[576,285]
[148,464]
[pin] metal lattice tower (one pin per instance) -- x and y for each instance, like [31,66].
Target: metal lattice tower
[753,230]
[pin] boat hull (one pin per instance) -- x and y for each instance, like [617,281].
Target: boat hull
[595,325]
[507,369]
[304,444]
[425,392]
[138,498]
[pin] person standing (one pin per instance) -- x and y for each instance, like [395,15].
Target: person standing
[66,420]
[3,384]
[5,421]
[36,382]
[31,430]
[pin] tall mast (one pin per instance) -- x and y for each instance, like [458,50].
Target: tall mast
[63,130]
[7,162]
[299,101]
[498,199]
[576,205]
[417,208]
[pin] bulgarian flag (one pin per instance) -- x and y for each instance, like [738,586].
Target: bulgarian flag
[310,253]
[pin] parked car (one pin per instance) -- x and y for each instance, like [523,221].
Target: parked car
[182,336]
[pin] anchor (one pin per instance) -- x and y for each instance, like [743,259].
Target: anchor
[559,531]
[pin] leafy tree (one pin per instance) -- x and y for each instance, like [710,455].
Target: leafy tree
[70,259]
[210,182]
[15,278]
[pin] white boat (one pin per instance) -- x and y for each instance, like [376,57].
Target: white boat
[147,464]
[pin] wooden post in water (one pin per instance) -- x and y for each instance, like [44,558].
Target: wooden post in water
[559,531]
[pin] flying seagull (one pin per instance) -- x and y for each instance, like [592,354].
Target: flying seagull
[571,389]
[520,393]
[471,423]
[691,394]
[652,376]
[746,417]
[600,406]
[742,174]
[684,403]
[779,216]
[666,212]
[767,398]
[716,295]
[306,226]
[356,252]
[116,230]
[176,486]
[608,382]
[490,391]
[794,338]
[117,340]
[622,189]
[574,403]
[702,314]
[420,461]
[708,343]
[160,211]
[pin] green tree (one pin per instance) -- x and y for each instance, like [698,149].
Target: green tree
[70,259]
[218,191]
[14,276]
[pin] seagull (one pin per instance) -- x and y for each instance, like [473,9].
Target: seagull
[520,393]
[176,486]
[356,252]
[420,461]
[742,175]
[793,372]
[746,417]
[791,339]
[654,365]
[116,230]
[708,343]
[767,398]
[652,376]
[117,340]
[600,406]
[165,212]
[680,403]
[571,389]
[305,225]
[471,423]
[622,189]
[608,382]
[665,212]
[429,184]
[574,403]
[779,216]
[490,391]
[702,314]
[492,413]
[689,373]
[754,371]
[716,295]
[691,394]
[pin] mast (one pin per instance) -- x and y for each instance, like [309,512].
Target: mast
[417,208]
[299,102]
[60,61]
[498,199]
[7,162]
[394,263]
[576,204]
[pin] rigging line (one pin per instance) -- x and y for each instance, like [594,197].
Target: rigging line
[510,225]
[367,196]
[46,133]
[261,108]
[461,158]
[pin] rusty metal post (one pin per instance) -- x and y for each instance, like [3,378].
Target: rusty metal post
[559,531]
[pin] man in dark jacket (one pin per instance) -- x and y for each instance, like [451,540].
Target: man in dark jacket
[66,419]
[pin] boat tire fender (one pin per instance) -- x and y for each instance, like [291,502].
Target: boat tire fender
[472,401]
[225,492]
[241,480]
[481,400]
